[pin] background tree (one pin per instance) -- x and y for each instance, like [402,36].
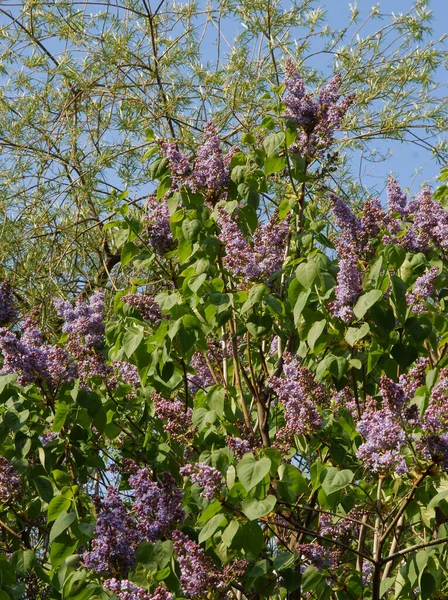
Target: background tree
[83,82]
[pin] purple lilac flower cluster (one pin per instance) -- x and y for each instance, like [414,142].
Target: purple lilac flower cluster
[157,226]
[198,573]
[436,415]
[422,291]
[300,394]
[203,378]
[33,360]
[178,162]
[317,118]
[415,378]
[234,571]
[238,446]
[350,245]
[423,220]
[208,478]
[8,311]
[434,443]
[146,305]
[10,486]
[83,320]
[259,259]
[126,590]
[157,506]
[84,323]
[113,547]
[384,439]
[393,394]
[314,554]
[178,421]
[128,373]
[210,173]
[396,199]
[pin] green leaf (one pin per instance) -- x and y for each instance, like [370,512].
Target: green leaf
[354,334]
[315,332]
[62,547]
[58,505]
[62,523]
[131,341]
[284,560]
[23,560]
[404,354]
[300,305]
[44,487]
[60,416]
[255,509]
[306,273]
[248,139]
[365,302]
[251,471]
[336,480]
[256,294]
[337,365]
[259,325]
[230,532]
[273,141]
[292,483]
[190,229]
[427,586]
[395,255]
[274,164]
[211,526]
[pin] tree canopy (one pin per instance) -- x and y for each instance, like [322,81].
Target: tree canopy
[224,366]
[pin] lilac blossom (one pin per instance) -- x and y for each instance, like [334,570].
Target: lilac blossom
[415,378]
[234,571]
[8,311]
[238,446]
[10,486]
[208,478]
[384,440]
[431,220]
[352,232]
[434,448]
[83,321]
[436,415]
[178,162]
[423,288]
[209,172]
[313,553]
[373,217]
[146,305]
[113,547]
[203,377]
[178,421]
[317,118]
[128,373]
[347,290]
[259,259]
[396,199]
[198,573]
[33,360]
[126,590]
[393,394]
[157,226]
[300,394]
[157,506]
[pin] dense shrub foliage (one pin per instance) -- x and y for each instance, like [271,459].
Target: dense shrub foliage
[265,413]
